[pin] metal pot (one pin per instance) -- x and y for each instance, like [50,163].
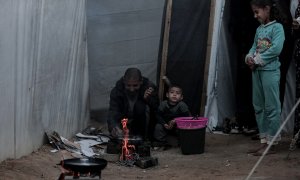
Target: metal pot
[84,165]
[132,140]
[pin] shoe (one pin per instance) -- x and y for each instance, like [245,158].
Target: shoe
[157,145]
[250,132]
[156,148]
[255,150]
[234,131]
[261,152]
[255,137]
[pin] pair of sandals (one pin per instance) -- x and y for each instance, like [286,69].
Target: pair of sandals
[261,149]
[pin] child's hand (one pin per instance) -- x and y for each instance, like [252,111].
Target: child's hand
[166,126]
[171,123]
[251,63]
[252,67]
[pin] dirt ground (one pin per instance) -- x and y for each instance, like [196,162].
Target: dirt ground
[225,158]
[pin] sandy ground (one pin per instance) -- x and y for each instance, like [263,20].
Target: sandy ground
[224,158]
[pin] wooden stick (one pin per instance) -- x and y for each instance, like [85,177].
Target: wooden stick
[207,60]
[163,65]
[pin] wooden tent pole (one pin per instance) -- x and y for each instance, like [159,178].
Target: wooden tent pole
[163,65]
[207,60]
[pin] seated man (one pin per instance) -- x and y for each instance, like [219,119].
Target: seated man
[133,97]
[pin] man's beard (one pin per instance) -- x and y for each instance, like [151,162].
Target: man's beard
[132,94]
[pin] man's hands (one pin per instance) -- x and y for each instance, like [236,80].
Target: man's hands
[148,93]
[170,125]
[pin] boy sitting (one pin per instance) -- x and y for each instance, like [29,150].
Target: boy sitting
[168,110]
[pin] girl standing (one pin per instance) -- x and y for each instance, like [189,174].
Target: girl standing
[264,62]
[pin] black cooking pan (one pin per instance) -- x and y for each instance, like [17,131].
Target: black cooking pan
[84,165]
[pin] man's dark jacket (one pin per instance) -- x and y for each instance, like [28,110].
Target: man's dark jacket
[119,108]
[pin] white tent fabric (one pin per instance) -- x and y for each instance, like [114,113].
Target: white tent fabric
[211,108]
[44,75]
[121,34]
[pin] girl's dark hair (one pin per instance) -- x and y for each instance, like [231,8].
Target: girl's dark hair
[278,11]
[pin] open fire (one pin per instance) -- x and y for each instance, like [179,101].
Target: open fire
[127,149]
[130,154]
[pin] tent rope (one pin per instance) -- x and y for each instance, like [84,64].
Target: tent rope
[273,139]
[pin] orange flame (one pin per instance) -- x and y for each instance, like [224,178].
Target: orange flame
[127,149]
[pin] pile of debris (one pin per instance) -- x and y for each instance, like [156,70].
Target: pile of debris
[89,143]
[93,143]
